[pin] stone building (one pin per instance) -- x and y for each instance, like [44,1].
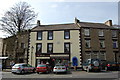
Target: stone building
[73,42]
[1,46]
[16,49]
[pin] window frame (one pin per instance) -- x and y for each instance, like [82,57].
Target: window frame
[65,48]
[114,35]
[89,45]
[37,47]
[116,44]
[103,43]
[49,35]
[48,47]
[101,33]
[65,34]
[87,32]
[38,35]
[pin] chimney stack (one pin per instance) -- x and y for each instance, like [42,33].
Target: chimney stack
[108,23]
[76,20]
[38,22]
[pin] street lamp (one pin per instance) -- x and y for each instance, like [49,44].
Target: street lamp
[31,53]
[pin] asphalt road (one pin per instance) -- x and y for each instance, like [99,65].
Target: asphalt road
[73,75]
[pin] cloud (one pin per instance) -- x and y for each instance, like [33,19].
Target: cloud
[54,6]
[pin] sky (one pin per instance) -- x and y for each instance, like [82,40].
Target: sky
[64,11]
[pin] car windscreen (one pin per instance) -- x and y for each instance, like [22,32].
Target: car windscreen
[41,66]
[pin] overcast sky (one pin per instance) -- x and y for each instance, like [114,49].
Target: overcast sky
[62,11]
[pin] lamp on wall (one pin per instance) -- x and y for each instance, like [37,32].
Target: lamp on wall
[31,53]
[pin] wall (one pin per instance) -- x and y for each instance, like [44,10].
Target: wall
[58,44]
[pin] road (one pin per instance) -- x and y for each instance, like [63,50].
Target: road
[73,74]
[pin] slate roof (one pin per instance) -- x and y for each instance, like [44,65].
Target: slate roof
[70,26]
[56,27]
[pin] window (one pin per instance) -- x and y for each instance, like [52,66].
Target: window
[39,35]
[101,33]
[87,43]
[87,32]
[39,47]
[115,44]
[88,55]
[50,48]
[102,44]
[50,35]
[22,45]
[114,33]
[66,34]
[67,47]
[102,56]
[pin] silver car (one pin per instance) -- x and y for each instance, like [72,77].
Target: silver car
[59,68]
[22,68]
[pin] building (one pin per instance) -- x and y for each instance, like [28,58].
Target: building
[1,46]
[54,43]
[16,49]
[73,43]
[99,40]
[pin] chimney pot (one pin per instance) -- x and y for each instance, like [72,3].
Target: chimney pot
[76,20]
[38,22]
[109,23]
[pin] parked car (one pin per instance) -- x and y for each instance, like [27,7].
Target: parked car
[22,68]
[59,68]
[43,68]
[92,65]
[113,66]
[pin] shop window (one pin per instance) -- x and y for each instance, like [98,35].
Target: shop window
[50,48]
[67,47]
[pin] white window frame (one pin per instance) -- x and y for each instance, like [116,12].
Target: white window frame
[103,55]
[87,32]
[87,41]
[116,42]
[114,33]
[101,33]
[102,42]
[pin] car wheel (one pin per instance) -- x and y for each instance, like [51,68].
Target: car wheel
[33,70]
[22,72]
[106,68]
[88,70]
[37,72]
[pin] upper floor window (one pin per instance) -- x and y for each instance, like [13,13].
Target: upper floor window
[39,47]
[66,34]
[22,45]
[115,44]
[101,33]
[87,43]
[102,44]
[67,47]
[50,35]
[50,48]
[39,35]
[114,33]
[87,32]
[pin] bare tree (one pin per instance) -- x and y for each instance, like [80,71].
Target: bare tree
[18,18]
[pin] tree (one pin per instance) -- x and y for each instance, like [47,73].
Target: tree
[18,18]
